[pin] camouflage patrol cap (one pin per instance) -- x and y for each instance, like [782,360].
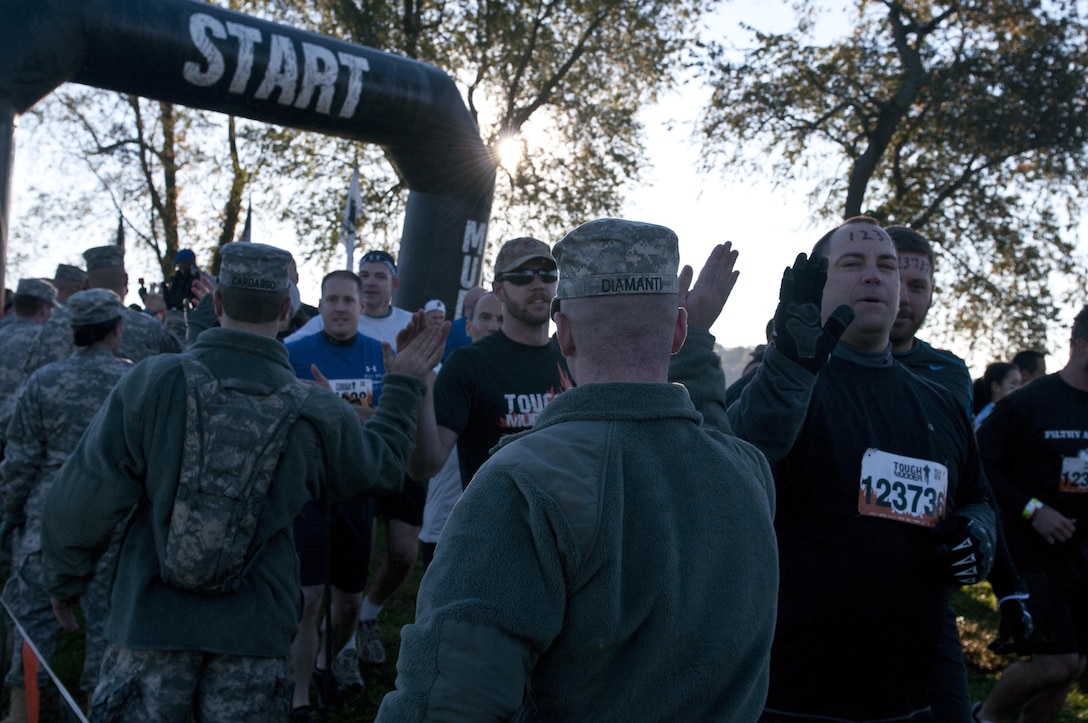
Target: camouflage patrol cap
[612,256]
[37,288]
[104,257]
[257,267]
[93,307]
[518,251]
[67,272]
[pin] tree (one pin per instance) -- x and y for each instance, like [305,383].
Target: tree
[966,120]
[559,81]
[142,155]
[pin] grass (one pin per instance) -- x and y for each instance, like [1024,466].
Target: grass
[974,608]
[977,621]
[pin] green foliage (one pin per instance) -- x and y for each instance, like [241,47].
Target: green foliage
[562,79]
[965,120]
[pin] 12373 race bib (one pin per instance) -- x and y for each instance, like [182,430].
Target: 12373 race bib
[901,488]
[1074,475]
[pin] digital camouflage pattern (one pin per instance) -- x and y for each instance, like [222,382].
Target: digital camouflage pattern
[55,406]
[67,272]
[38,288]
[34,612]
[105,257]
[235,430]
[256,267]
[16,339]
[143,336]
[612,256]
[94,306]
[167,685]
[52,344]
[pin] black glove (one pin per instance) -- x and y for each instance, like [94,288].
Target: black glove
[1016,626]
[963,552]
[797,330]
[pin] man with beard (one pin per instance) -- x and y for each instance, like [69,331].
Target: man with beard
[948,690]
[499,385]
[1035,449]
[881,503]
[916,266]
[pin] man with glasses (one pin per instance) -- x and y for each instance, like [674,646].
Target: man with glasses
[500,385]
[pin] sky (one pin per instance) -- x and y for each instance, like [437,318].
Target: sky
[769,226]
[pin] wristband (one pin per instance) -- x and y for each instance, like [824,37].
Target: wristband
[1031,508]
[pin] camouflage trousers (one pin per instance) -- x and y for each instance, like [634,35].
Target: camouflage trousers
[96,604]
[30,604]
[163,686]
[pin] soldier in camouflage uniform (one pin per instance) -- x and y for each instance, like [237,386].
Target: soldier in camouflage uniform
[68,280]
[588,547]
[34,306]
[144,336]
[55,406]
[176,652]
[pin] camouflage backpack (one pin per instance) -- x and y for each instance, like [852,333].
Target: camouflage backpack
[235,431]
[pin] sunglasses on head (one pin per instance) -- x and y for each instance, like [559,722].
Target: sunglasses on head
[524,277]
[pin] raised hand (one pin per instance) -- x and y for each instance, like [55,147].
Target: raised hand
[421,346]
[798,332]
[704,301]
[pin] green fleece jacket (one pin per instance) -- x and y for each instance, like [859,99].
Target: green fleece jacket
[615,563]
[128,463]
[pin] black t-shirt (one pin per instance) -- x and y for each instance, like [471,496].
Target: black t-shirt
[861,597]
[493,388]
[1035,444]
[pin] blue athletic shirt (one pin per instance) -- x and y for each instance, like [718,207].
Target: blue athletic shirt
[354,368]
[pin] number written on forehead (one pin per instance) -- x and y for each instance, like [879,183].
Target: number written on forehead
[869,234]
[921,263]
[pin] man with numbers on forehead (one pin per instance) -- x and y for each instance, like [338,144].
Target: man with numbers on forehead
[949,693]
[916,288]
[881,506]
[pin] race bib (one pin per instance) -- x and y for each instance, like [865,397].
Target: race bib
[355,391]
[1074,475]
[901,488]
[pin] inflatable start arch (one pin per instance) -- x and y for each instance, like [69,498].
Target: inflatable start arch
[203,56]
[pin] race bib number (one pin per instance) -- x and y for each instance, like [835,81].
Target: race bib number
[355,391]
[1074,475]
[901,488]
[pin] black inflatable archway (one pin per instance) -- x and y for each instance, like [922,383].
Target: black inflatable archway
[204,56]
